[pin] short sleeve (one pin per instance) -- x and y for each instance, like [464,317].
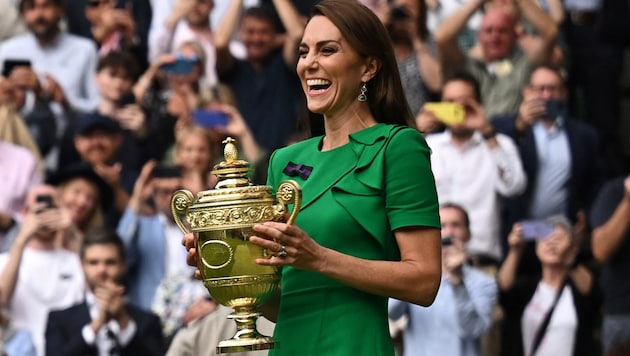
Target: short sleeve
[410,192]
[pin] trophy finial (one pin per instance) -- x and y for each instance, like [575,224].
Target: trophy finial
[230,152]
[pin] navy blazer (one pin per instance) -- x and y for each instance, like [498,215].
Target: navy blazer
[64,338]
[586,168]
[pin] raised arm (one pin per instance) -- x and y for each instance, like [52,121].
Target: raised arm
[223,36]
[506,277]
[541,50]
[608,238]
[294,25]
[450,54]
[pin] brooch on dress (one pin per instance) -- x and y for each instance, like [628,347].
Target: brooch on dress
[294,169]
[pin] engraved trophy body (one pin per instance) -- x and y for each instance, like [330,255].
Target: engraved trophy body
[221,220]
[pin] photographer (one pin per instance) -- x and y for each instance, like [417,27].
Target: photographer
[36,276]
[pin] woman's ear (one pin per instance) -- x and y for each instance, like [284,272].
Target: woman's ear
[372,66]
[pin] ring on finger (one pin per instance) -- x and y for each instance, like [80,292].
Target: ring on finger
[283,252]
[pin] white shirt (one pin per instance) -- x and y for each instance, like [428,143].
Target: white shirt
[175,263]
[559,337]
[103,342]
[47,280]
[477,177]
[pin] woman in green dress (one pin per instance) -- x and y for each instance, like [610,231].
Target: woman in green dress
[369,224]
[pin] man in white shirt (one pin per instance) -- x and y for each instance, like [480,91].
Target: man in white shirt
[474,167]
[61,65]
[36,276]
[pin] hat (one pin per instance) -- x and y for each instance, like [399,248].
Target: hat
[94,120]
[85,171]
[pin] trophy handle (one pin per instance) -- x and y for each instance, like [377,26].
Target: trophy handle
[180,201]
[289,192]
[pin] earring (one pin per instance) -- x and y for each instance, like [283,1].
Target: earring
[362,96]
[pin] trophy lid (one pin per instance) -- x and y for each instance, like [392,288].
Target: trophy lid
[232,172]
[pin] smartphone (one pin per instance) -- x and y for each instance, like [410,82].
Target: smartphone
[47,199]
[536,229]
[553,108]
[9,64]
[182,66]
[127,98]
[166,171]
[400,13]
[448,113]
[210,118]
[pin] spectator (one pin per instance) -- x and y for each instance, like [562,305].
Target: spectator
[180,300]
[84,195]
[61,65]
[103,323]
[189,21]
[271,114]
[152,239]
[552,313]
[18,174]
[97,139]
[415,52]
[36,276]
[610,219]
[462,310]
[201,337]
[473,146]
[560,155]
[503,68]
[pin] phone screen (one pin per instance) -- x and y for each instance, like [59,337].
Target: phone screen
[181,66]
[210,118]
[536,229]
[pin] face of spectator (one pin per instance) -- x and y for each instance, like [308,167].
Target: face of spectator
[194,152]
[460,92]
[97,146]
[163,189]
[331,71]
[80,197]
[199,16]
[545,84]
[554,249]
[257,35]
[42,19]
[102,263]
[113,83]
[454,224]
[496,35]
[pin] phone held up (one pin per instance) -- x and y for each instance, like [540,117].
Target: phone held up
[181,66]
[210,118]
[9,64]
[535,229]
[449,113]
[47,199]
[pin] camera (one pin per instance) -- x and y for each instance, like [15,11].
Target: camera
[47,199]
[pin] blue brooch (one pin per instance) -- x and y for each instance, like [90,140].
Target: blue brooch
[294,169]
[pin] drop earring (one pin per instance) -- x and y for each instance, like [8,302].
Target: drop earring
[362,96]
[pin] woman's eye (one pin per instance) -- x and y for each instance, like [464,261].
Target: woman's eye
[329,50]
[302,52]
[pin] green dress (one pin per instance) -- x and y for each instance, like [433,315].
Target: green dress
[356,195]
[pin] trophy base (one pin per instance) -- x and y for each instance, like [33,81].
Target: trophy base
[244,345]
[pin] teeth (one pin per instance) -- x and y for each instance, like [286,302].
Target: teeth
[312,82]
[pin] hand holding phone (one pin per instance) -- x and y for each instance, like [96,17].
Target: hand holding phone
[181,65]
[449,113]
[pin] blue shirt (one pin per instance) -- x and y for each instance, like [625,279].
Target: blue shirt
[550,193]
[455,321]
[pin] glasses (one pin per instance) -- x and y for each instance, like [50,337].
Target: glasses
[541,88]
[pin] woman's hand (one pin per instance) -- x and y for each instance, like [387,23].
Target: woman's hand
[289,245]
[192,258]
[515,238]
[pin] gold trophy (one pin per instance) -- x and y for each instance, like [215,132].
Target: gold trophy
[221,220]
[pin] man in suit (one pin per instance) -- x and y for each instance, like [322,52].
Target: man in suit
[104,323]
[559,154]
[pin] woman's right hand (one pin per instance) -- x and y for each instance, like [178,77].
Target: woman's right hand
[515,238]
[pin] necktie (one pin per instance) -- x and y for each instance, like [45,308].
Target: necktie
[114,344]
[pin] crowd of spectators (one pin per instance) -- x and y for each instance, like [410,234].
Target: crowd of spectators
[107,107]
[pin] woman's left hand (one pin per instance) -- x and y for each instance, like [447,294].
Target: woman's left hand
[288,244]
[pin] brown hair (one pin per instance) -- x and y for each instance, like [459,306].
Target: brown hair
[367,35]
